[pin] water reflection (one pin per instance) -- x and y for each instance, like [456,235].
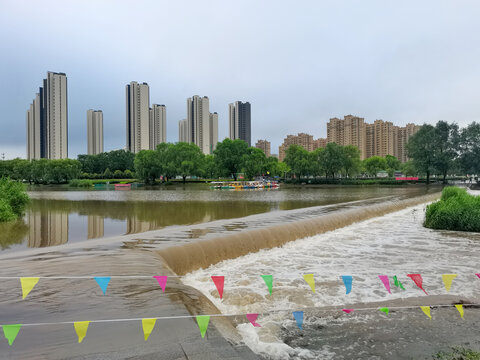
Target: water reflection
[47,228]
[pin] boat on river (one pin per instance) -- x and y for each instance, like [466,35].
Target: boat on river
[244,185]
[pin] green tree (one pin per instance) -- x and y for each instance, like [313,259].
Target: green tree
[229,156]
[332,159]
[186,158]
[254,162]
[128,174]
[209,168]
[408,168]
[107,174]
[297,158]
[421,149]
[351,160]
[446,146]
[118,174]
[393,164]
[147,166]
[374,164]
[469,159]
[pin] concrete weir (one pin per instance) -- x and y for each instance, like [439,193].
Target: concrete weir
[201,254]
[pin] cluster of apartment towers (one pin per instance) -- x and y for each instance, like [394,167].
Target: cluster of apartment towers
[47,122]
[47,126]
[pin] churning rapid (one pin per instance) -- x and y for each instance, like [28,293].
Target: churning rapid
[393,244]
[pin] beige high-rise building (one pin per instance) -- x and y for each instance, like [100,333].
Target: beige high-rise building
[348,131]
[304,140]
[138,116]
[202,127]
[95,131]
[47,120]
[401,135]
[264,145]
[158,125]
[34,127]
[213,131]
[183,131]
[380,138]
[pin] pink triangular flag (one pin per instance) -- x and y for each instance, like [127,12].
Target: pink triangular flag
[253,319]
[162,281]
[348,311]
[219,282]
[478,275]
[417,279]
[385,282]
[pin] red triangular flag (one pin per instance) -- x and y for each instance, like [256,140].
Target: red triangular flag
[417,279]
[253,319]
[219,281]
[162,281]
[478,275]
[348,311]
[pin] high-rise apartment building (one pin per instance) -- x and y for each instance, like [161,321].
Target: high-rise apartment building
[348,131]
[264,145]
[240,121]
[380,138]
[183,131]
[94,131]
[304,140]
[201,127]
[158,125]
[213,130]
[47,120]
[138,116]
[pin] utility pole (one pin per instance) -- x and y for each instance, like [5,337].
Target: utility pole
[3,156]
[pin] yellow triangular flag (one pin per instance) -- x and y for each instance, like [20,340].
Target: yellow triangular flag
[147,325]
[28,283]
[426,310]
[447,280]
[460,309]
[81,328]
[310,281]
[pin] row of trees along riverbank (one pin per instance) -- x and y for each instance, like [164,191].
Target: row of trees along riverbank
[440,150]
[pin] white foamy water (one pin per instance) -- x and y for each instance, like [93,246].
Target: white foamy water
[394,244]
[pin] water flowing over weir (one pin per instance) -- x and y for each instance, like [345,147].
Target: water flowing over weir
[201,254]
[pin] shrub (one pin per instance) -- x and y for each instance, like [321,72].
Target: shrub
[456,210]
[80,183]
[458,353]
[13,199]
[118,174]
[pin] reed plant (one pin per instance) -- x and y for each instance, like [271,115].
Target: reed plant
[80,183]
[456,210]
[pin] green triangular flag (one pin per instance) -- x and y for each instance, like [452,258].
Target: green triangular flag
[268,281]
[397,283]
[11,332]
[202,321]
[385,310]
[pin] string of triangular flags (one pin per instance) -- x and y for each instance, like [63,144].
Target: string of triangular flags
[11,331]
[28,283]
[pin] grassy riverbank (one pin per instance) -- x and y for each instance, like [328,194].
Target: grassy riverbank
[456,210]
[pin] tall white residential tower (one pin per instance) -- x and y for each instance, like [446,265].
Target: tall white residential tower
[95,131]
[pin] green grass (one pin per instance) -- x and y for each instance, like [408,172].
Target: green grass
[458,353]
[80,183]
[456,210]
[13,199]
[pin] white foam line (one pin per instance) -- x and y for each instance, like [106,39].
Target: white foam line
[243,314]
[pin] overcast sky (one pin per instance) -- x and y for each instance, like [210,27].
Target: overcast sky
[298,63]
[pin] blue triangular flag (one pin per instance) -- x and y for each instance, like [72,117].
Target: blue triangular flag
[102,281]
[298,315]
[347,280]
